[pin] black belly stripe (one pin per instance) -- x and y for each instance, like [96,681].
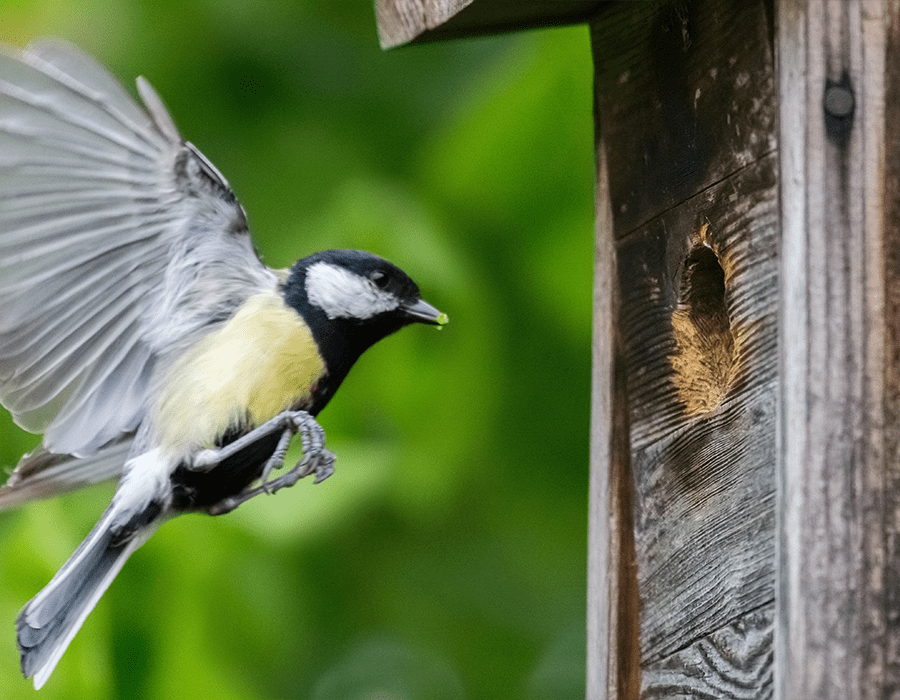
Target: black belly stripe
[194,490]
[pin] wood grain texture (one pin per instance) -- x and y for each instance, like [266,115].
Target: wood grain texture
[735,663]
[837,633]
[416,21]
[704,514]
[686,109]
[685,96]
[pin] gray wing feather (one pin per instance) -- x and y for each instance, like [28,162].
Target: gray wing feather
[42,474]
[120,245]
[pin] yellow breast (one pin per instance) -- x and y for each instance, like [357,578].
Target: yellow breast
[260,363]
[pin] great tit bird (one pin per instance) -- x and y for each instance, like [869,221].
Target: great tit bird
[141,333]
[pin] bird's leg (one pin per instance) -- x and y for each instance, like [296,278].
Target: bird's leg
[316,459]
[207,460]
[321,463]
[276,461]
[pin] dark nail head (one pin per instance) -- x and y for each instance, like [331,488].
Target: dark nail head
[839,101]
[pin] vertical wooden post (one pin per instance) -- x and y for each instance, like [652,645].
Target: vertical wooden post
[685,102]
[838,632]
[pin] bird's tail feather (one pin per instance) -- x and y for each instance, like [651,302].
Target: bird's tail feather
[50,620]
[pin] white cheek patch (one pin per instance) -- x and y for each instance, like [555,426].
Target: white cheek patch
[343,294]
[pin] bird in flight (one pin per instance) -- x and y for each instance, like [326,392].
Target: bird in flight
[141,333]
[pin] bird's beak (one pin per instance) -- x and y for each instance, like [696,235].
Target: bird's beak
[423,312]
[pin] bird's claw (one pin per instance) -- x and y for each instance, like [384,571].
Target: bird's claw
[324,465]
[316,459]
[321,464]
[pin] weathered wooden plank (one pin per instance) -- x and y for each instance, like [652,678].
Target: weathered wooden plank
[613,639]
[686,109]
[406,21]
[837,633]
[704,511]
[732,662]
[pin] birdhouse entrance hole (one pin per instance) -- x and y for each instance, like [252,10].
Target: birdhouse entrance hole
[704,361]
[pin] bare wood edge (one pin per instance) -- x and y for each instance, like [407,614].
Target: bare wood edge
[812,46]
[613,632]
[790,57]
[402,21]
[418,21]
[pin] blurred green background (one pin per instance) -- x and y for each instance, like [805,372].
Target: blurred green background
[446,558]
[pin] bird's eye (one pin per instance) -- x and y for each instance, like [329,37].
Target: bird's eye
[380,279]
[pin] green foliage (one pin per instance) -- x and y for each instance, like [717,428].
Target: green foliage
[446,558]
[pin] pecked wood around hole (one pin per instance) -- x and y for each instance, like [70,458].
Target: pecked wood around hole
[704,362]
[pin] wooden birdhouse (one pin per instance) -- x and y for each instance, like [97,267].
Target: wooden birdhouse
[745,466]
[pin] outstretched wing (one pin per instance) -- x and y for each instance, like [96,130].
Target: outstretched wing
[120,244]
